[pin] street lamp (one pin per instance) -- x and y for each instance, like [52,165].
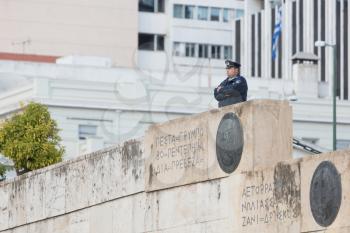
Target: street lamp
[320,43]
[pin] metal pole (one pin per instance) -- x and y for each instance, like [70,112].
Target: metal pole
[334,97]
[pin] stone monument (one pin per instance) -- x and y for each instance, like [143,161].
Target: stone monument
[228,170]
[215,144]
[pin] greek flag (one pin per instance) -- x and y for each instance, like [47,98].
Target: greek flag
[277,33]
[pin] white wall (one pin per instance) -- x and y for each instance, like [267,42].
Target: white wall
[97,28]
[153,23]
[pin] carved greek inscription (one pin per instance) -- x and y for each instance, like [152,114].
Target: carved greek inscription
[259,206]
[179,151]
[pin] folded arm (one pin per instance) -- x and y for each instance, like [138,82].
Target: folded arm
[218,93]
[233,89]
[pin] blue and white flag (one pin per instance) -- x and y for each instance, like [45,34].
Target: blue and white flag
[277,32]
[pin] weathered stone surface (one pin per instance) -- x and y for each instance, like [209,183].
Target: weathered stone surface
[81,221]
[336,230]
[60,224]
[105,191]
[4,207]
[55,191]
[17,203]
[268,200]
[200,227]
[101,219]
[35,191]
[78,181]
[187,205]
[187,150]
[178,152]
[23,229]
[132,210]
[220,205]
[72,185]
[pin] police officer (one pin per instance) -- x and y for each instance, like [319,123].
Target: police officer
[234,88]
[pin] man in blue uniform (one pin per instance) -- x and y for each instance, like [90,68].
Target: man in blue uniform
[234,88]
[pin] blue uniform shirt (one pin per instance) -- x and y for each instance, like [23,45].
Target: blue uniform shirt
[232,91]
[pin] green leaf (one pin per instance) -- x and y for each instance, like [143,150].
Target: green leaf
[30,139]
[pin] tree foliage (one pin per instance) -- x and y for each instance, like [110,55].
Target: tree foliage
[2,171]
[30,139]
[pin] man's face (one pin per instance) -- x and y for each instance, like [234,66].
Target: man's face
[232,72]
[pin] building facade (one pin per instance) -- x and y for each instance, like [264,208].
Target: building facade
[106,28]
[303,23]
[186,36]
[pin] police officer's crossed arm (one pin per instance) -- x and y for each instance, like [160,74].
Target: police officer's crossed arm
[234,89]
[230,89]
[218,93]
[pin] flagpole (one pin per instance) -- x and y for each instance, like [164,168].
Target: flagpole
[277,29]
[334,47]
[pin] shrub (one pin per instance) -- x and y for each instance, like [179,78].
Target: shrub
[30,139]
[2,172]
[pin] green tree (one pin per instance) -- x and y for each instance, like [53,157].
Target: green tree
[30,139]
[2,172]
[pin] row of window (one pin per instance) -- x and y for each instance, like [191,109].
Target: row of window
[87,131]
[206,13]
[151,5]
[202,50]
[151,42]
[191,11]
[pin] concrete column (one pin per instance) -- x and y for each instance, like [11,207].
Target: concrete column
[305,75]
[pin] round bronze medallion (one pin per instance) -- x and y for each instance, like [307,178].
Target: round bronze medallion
[325,193]
[229,142]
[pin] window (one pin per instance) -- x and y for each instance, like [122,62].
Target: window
[215,51]
[239,14]
[87,131]
[160,43]
[227,52]
[189,12]
[146,5]
[161,6]
[151,42]
[178,11]
[202,13]
[179,49]
[190,50]
[228,15]
[225,15]
[151,5]
[176,49]
[146,41]
[214,14]
[203,50]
